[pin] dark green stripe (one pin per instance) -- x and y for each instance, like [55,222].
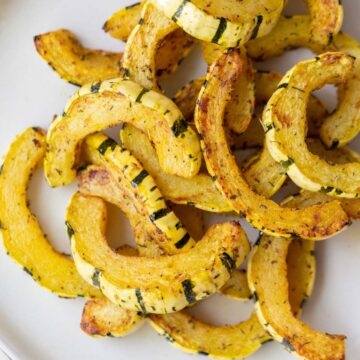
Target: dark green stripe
[179,11]
[132,5]
[142,93]
[220,30]
[181,243]
[228,261]
[136,181]
[286,163]
[282,86]
[288,346]
[95,278]
[255,31]
[140,300]
[159,214]
[269,127]
[334,144]
[255,296]
[179,127]
[95,87]
[188,291]
[108,143]
[69,229]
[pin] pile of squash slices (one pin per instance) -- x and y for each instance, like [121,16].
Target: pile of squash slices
[174,160]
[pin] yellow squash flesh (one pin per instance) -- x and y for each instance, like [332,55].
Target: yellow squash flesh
[74,63]
[100,105]
[326,19]
[140,53]
[23,238]
[122,23]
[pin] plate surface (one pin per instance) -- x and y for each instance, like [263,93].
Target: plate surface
[36,324]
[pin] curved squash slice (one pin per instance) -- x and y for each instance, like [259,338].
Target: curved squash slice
[102,318]
[152,285]
[140,53]
[344,124]
[317,222]
[308,198]
[125,167]
[122,23]
[23,238]
[284,119]
[269,283]
[199,190]
[74,63]
[100,105]
[228,23]
[263,174]
[326,19]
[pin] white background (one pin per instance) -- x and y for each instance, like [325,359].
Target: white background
[38,325]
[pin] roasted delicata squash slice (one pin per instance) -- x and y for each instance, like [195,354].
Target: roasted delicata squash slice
[74,63]
[293,32]
[284,119]
[308,198]
[343,125]
[123,165]
[100,105]
[152,285]
[316,222]
[122,23]
[23,238]
[267,274]
[102,318]
[228,23]
[326,19]
[197,337]
[199,190]
[140,53]
[237,286]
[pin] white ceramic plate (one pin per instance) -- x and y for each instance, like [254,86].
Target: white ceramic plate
[36,324]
